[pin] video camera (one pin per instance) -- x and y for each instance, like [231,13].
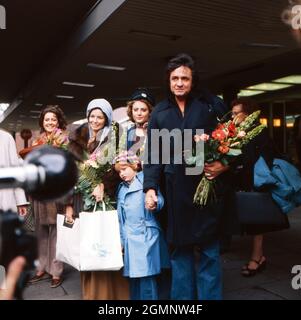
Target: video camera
[48,173]
[15,241]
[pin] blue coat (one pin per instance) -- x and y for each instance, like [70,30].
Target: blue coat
[145,250]
[284,180]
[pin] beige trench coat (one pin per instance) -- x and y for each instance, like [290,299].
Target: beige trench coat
[10,198]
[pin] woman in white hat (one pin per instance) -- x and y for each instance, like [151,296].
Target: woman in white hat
[96,137]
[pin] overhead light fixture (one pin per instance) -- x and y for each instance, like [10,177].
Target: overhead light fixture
[77,84]
[171,37]
[294,79]
[64,97]
[38,104]
[263,45]
[269,86]
[263,121]
[248,93]
[290,120]
[277,122]
[3,106]
[105,66]
[35,111]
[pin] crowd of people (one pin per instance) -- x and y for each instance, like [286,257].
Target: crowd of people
[188,242]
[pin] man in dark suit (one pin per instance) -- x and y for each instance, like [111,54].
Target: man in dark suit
[192,231]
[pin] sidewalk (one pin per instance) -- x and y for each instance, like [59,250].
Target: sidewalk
[282,249]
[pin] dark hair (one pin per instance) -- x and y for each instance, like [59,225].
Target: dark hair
[183,59]
[106,118]
[130,108]
[59,114]
[248,105]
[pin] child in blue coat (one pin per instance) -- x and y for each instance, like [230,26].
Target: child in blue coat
[145,250]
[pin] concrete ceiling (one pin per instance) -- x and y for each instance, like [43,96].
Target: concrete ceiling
[48,42]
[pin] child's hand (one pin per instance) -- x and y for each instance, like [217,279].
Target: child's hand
[151,200]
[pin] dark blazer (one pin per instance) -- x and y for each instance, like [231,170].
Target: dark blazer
[187,223]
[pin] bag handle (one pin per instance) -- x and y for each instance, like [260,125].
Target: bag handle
[103,206]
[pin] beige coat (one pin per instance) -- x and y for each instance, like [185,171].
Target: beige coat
[9,198]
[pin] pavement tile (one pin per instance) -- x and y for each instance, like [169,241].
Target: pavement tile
[254,293]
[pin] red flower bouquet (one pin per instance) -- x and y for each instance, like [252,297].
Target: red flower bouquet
[224,144]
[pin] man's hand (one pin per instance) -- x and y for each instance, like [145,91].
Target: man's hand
[214,169]
[98,192]
[151,199]
[14,271]
[22,210]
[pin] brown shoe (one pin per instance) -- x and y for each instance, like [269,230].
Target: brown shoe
[36,278]
[56,282]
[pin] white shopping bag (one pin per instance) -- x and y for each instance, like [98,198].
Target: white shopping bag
[100,245]
[92,242]
[68,240]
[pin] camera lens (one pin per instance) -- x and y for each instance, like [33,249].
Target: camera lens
[14,240]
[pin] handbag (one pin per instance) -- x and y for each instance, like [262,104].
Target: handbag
[29,221]
[258,208]
[92,242]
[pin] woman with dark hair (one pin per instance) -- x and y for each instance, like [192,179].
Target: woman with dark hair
[60,117]
[95,138]
[52,124]
[260,146]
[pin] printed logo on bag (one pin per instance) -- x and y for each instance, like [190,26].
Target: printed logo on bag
[2,18]
[2,277]
[296,281]
[100,250]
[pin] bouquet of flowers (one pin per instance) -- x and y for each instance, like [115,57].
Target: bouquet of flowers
[57,139]
[91,173]
[224,144]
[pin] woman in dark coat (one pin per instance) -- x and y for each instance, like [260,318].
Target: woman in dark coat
[263,146]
